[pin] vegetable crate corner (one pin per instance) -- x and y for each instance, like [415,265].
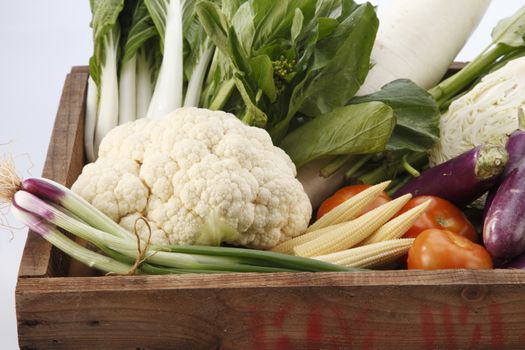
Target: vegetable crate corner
[61,305]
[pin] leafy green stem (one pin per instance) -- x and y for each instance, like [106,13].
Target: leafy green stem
[409,168]
[459,81]
[335,164]
[358,165]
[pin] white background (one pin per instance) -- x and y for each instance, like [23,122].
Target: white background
[41,41]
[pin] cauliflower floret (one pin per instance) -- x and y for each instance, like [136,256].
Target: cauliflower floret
[113,186]
[179,170]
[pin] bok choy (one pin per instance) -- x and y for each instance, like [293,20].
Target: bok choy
[103,67]
[168,92]
[135,81]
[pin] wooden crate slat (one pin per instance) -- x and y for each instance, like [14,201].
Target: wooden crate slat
[64,161]
[80,69]
[458,309]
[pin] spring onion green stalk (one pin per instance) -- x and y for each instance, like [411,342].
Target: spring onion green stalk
[76,251]
[288,261]
[43,204]
[168,92]
[238,260]
[55,193]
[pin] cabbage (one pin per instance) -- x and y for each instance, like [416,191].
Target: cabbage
[487,113]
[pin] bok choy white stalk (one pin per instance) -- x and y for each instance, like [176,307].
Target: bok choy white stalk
[144,80]
[103,70]
[193,93]
[200,50]
[136,69]
[128,91]
[90,120]
[168,92]
[108,102]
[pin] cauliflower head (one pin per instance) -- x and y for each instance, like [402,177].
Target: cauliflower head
[193,163]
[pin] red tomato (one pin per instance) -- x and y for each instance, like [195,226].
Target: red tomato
[440,214]
[440,249]
[348,192]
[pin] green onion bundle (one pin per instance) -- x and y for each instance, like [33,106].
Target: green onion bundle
[46,207]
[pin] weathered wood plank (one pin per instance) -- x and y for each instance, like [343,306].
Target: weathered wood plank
[80,69]
[389,309]
[65,159]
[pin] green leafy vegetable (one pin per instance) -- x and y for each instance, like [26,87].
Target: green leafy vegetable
[417,115]
[340,64]
[135,76]
[103,69]
[140,30]
[353,129]
[288,58]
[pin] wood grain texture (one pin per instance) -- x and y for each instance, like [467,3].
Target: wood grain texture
[64,161]
[363,310]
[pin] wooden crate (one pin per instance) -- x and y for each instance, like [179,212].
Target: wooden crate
[361,310]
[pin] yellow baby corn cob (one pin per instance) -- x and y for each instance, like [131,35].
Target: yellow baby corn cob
[371,255]
[398,226]
[352,232]
[349,209]
[287,246]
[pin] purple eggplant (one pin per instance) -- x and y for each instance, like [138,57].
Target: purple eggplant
[516,149]
[516,263]
[463,179]
[504,226]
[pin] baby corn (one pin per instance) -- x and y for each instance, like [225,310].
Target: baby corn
[371,255]
[349,209]
[398,226]
[287,246]
[349,234]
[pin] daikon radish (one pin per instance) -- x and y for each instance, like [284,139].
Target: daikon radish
[418,40]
